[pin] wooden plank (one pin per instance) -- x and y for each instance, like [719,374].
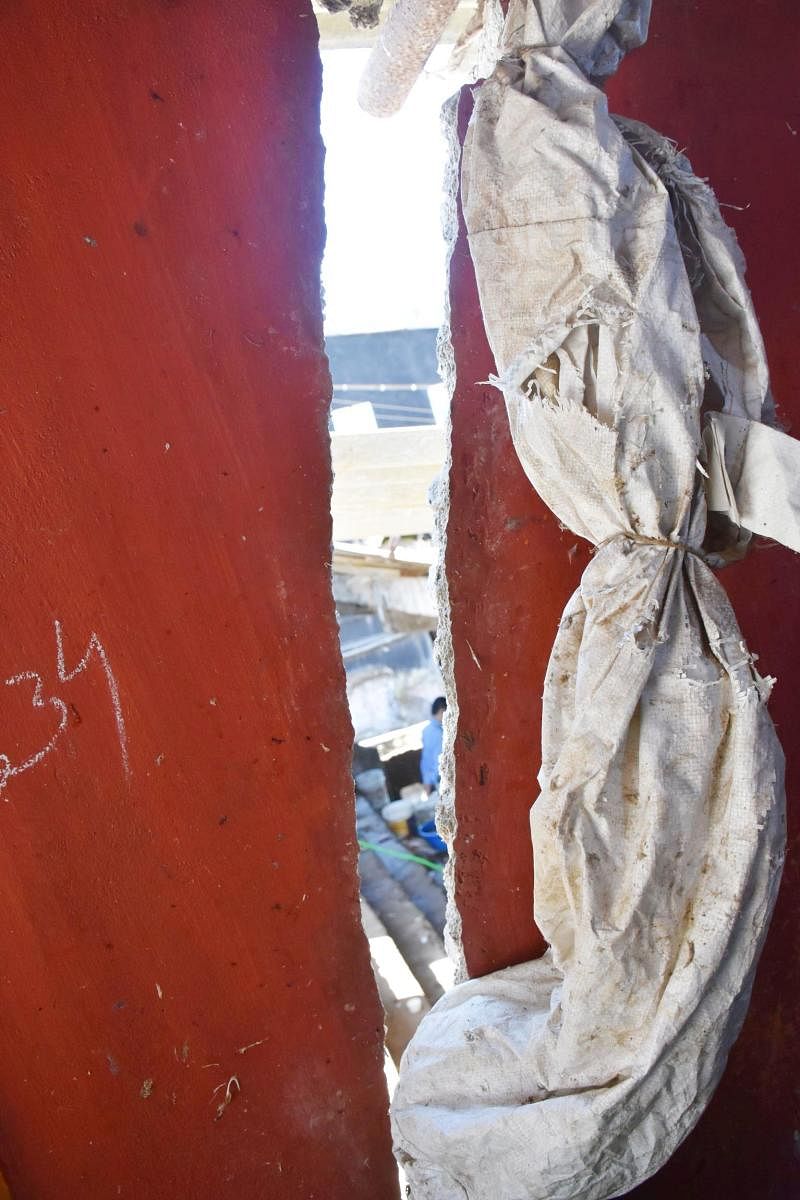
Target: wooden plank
[381,481]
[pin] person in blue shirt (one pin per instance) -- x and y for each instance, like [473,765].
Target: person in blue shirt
[432,746]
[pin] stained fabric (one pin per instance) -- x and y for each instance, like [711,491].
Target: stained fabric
[615,303]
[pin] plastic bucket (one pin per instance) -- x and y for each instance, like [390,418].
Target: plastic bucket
[397,814]
[415,792]
[424,809]
[428,831]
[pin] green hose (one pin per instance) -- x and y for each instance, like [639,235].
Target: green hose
[424,862]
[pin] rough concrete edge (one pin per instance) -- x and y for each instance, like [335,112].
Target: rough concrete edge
[446,820]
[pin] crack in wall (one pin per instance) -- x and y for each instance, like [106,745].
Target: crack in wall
[446,820]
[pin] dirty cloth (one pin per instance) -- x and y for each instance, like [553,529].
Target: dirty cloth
[403,47]
[615,303]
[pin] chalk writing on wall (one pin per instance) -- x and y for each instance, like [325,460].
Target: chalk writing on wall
[94,649]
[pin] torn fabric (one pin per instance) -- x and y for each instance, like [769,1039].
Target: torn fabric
[615,303]
[754,477]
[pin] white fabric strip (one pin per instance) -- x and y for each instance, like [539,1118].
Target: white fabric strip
[765,464]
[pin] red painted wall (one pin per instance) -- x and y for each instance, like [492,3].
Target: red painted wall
[510,569]
[164,486]
[721,78]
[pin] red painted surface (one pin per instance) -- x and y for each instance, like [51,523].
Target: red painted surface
[164,486]
[510,570]
[720,78]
